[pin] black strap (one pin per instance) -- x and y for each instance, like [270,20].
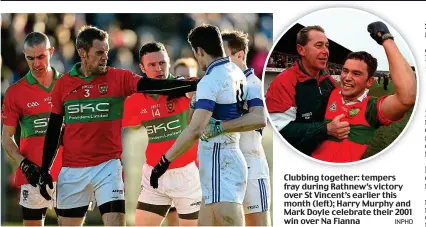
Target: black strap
[165,87]
[51,142]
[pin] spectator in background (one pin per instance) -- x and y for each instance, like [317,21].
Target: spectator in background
[185,67]
[385,82]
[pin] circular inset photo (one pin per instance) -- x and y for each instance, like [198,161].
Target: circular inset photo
[340,85]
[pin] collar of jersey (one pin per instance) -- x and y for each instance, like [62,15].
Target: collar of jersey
[359,99]
[248,72]
[322,72]
[217,62]
[31,80]
[74,72]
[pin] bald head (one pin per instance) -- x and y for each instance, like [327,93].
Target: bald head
[36,38]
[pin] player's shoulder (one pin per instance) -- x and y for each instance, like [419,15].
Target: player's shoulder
[16,88]
[136,98]
[253,79]
[118,71]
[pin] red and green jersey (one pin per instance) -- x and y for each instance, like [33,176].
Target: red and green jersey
[29,103]
[93,109]
[364,117]
[164,121]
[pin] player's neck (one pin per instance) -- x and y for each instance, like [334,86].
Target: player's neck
[314,73]
[243,66]
[83,70]
[210,59]
[46,78]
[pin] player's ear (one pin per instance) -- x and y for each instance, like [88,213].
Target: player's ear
[142,68]
[370,81]
[300,50]
[51,51]
[200,51]
[82,53]
[240,55]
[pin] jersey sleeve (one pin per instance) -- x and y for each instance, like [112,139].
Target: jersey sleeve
[374,115]
[131,115]
[206,95]
[280,94]
[254,93]
[129,82]
[10,112]
[280,101]
[57,101]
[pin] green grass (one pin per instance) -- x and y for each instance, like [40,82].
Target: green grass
[385,135]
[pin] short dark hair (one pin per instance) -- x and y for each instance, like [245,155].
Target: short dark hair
[86,36]
[208,37]
[35,38]
[302,37]
[150,48]
[367,58]
[237,41]
[185,62]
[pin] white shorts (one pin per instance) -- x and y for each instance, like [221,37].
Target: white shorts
[77,186]
[31,198]
[179,186]
[258,196]
[223,174]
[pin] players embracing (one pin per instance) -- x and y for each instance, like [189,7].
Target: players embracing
[220,98]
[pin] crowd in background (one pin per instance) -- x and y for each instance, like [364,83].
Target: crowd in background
[128,32]
[284,61]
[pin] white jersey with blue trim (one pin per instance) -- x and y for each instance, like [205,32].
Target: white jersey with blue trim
[223,91]
[251,142]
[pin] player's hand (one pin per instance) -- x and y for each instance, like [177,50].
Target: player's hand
[45,180]
[193,101]
[379,32]
[213,129]
[337,128]
[31,171]
[158,171]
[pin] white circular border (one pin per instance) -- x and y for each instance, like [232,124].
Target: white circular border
[335,163]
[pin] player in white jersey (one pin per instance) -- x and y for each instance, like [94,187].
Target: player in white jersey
[220,94]
[258,194]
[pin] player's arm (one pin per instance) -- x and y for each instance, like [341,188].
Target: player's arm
[190,135]
[10,117]
[304,136]
[393,107]
[9,144]
[253,120]
[184,142]
[52,139]
[191,108]
[165,87]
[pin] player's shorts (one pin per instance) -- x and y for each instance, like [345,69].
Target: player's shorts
[258,196]
[178,186]
[77,186]
[223,173]
[31,198]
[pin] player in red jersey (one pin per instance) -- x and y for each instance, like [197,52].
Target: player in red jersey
[28,102]
[164,121]
[90,100]
[364,113]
